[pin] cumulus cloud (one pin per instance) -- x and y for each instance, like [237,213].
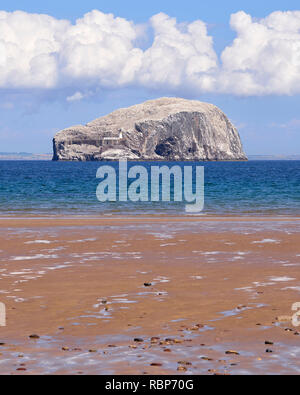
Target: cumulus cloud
[99,48]
[102,51]
[39,51]
[29,45]
[179,55]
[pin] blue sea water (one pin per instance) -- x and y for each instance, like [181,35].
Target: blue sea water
[69,188]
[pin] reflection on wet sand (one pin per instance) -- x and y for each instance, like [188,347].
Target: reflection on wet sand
[149,296]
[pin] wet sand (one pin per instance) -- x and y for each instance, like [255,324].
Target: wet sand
[152,295]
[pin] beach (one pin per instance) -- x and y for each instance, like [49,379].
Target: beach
[149,191]
[149,294]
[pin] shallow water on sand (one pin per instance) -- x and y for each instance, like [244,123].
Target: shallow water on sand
[155,296]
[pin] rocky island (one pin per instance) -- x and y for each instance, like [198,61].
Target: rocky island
[162,129]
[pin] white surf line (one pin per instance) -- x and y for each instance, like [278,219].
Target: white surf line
[282,279]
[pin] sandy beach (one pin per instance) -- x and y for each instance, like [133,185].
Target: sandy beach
[151,295]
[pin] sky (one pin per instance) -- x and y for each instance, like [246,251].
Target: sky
[65,63]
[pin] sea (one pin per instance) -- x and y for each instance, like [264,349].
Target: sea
[46,188]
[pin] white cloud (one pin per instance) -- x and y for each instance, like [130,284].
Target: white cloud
[101,51]
[179,55]
[99,48]
[265,56]
[293,124]
[39,51]
[29,44]
[76,97]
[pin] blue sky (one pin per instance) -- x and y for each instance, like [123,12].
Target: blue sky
[254,81]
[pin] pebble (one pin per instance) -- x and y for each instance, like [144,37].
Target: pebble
[147,284]
[65,348]
[156,364]
[232,352]
[268,343]
[206,359]
[138,340]
[164,343]
[186,363]
[182,369]
[169,340]
[195,327]
[212,371]
[34,337]
[269,351]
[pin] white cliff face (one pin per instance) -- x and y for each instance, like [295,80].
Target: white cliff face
[162,129]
